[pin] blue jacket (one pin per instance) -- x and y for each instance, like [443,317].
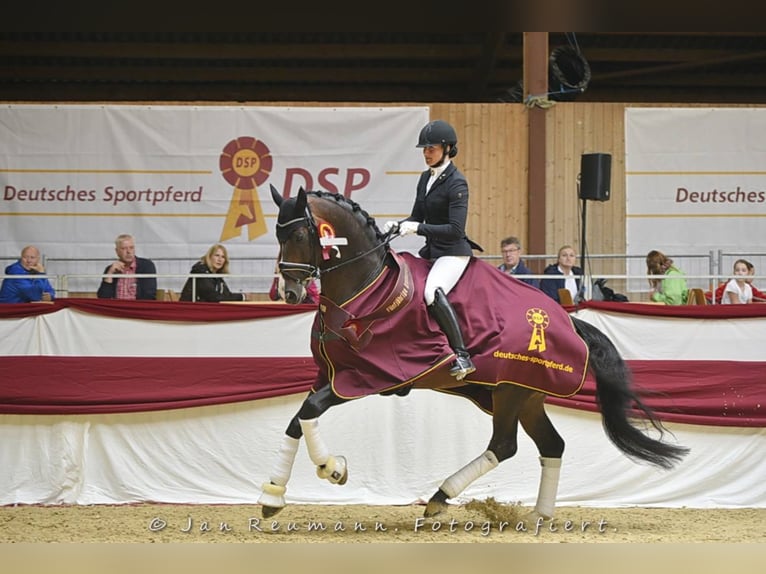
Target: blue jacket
[24,290]
[521,269]
[551,286]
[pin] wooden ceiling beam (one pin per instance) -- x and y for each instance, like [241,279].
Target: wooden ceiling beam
[259,74]
[261,51]
[683,66]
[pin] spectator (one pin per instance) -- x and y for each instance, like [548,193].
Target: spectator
[20,290]
[512,263]
[211,289]
[115,287]
[566,276]
[738,289]
[672,289]
[758,296]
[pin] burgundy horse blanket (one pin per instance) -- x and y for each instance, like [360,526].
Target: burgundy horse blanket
[385,339]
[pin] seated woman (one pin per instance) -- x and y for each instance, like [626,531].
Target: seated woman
[211,289]
[672,289]
[566,275]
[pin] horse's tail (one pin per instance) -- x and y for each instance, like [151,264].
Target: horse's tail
[615,397]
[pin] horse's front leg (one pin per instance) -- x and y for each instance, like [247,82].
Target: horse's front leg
[305,423]
[272,498]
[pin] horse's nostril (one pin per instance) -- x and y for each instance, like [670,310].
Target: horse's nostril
[291,297]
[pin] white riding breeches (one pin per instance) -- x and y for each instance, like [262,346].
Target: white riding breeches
[445,273]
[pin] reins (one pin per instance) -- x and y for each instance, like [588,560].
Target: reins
[385,243]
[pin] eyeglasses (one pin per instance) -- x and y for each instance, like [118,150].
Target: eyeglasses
[511,250]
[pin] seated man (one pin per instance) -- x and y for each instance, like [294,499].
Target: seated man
[22,290]
[512,263]
[115,287]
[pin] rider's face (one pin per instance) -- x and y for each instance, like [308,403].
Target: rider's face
[433,154]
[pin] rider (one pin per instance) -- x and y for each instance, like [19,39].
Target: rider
[439,213]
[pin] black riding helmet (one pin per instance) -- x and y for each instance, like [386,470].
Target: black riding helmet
[439,132]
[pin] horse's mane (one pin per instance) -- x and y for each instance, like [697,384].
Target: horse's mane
[365,220]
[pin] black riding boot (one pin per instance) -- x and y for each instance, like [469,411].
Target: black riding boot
[445,315]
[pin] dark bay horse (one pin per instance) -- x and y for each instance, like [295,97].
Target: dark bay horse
[372,334]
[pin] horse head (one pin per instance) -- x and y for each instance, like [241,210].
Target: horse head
[319,235]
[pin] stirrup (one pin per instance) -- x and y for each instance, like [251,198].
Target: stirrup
[461,367]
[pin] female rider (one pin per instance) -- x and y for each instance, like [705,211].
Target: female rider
[439,214]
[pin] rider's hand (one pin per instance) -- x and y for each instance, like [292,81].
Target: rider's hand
[408,227]
[391,225]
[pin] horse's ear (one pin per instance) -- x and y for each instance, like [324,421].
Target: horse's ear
[302,201]
[276,196]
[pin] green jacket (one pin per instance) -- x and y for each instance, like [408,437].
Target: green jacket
[673,289]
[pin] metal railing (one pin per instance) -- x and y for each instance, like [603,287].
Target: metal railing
[625,273]
[253,275]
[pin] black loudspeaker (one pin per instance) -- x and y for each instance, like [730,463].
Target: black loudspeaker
[595,175]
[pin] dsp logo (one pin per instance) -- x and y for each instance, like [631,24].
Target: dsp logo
[328,179]
[246,163]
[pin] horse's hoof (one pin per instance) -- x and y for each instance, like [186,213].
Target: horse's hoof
[269,511]
[272,499]
[335,470]
[436,505]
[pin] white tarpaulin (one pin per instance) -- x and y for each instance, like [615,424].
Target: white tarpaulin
[399,449]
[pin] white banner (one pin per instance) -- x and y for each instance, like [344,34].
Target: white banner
[695,182]
[180,178]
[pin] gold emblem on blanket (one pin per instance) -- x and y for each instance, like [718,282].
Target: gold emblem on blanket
[539,320]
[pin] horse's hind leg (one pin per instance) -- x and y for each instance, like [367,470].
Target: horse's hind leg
[535,422]
[332,468]
[507,401]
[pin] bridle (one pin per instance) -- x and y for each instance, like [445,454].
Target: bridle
[287,268]
[308,270]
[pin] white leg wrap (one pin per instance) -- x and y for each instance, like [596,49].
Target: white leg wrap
[317,449]
[273,493]
[285,460]
[480,466]
[549,486]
